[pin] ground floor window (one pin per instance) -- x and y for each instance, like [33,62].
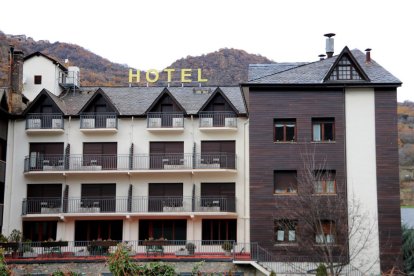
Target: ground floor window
[167,229]
[39,230]
[285,230]
[219,230]
[89,230]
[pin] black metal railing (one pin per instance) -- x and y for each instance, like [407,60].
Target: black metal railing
[44,121]
[98,120]
[218,119]
[163,161]
[76,162]
[165,120]
[144,248]
[141,204]
[219,160]
[98,162]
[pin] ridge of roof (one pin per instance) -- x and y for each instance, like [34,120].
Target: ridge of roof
[315,72]
[61,66]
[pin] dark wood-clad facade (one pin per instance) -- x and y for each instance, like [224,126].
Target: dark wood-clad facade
[389,213]
[267,156]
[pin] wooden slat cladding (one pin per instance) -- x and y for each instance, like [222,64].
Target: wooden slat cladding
[266,156]
[389,216]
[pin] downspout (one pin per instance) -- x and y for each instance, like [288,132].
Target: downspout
[246,181]
[9,173]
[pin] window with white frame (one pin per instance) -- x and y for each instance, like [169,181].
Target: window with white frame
[325,232]
[285,230]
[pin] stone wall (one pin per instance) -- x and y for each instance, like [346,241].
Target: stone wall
[97,268]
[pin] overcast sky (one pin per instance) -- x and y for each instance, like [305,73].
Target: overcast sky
[153,34]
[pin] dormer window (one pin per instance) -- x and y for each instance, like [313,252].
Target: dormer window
[345,70]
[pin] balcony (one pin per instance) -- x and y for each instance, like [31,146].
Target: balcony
[110,163]
[213,121]
[215,161]
[142,205]
[37,123]
[99,122]
[158,121]
[70,251]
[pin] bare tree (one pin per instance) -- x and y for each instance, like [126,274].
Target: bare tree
[326,222]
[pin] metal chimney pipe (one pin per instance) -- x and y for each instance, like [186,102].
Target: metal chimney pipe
[322,56]
[329,44]
[368,55]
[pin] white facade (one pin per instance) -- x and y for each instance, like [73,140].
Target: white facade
[49,72]
[362,178]
[130,130]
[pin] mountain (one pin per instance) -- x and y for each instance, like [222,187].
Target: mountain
[223,67]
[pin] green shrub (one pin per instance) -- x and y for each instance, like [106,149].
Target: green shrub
[120,263]
[4,270]
[157,269]
[408,248]
[321,270]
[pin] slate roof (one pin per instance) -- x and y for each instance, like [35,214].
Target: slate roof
[136,100]
[315,72]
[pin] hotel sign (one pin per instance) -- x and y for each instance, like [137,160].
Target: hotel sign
[152,75]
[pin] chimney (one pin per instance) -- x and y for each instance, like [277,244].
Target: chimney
[15,81]
[329,44]
[322,56]
[368,55]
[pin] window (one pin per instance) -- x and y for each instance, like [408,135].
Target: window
[39,230]
[100,196]
[88,230]
[285,130]
[218,154]
[219,195]
[325,232]
[37,79]
[323,130]
[345,71]
[285,182]
[325,182]
[168,229]
[100,154]
[219,230]
[285,230]
[45,155]
[164,195]
[41,197]
[164,155]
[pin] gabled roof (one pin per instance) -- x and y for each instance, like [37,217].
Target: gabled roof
[219,91]
[56,100]
[163,93]
[346,53]
[97,93]
[136,101]
[37,54]
[315,72]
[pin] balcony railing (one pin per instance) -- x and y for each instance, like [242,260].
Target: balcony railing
[112,162]
[218,119]
[98,120]
[165,120]
[218,160]
[137,249]
[44,121]
[141,204]
[2,171]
